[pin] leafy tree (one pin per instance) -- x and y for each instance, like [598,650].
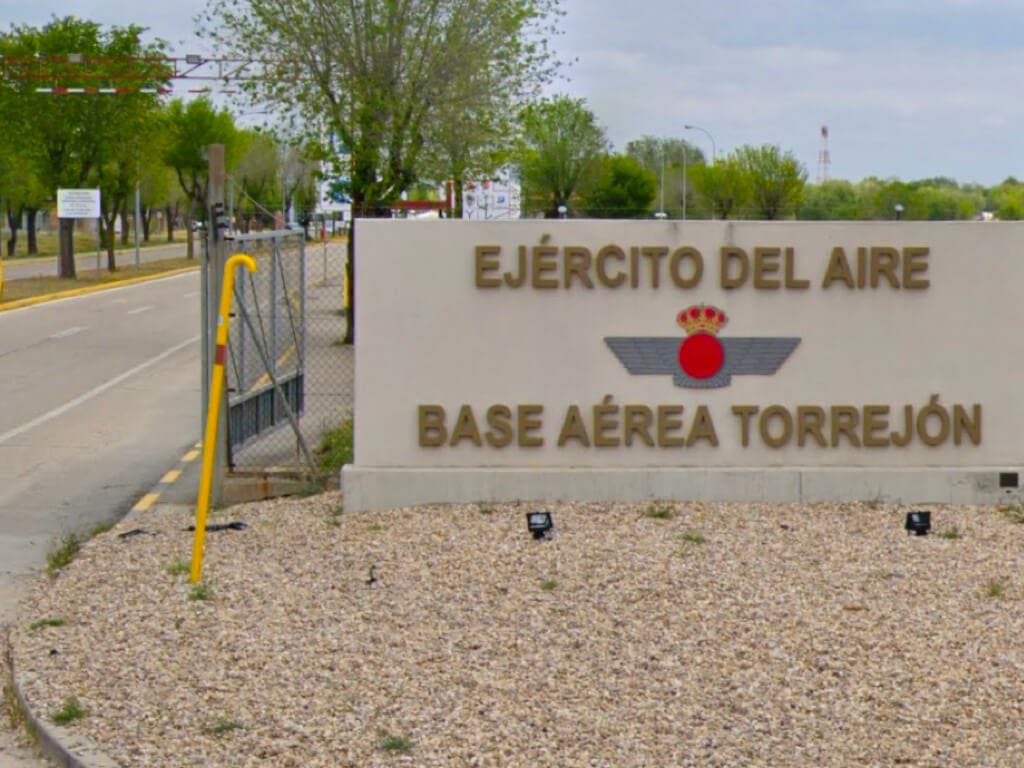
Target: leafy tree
[386,78]
[64,136]
[776,180]
[672,161]
[256,176]
[1007,200]
[835,199]
[562,150]
[623,189]
[190,129]
[724,187]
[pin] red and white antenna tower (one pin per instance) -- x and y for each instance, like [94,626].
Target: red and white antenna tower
[824,161]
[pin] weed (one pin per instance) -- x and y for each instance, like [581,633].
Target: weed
[71,711]
[659,512]
[57,622]
[200,591]
[179,567]
[995,588]
[15,714]
[548,585]
[335,449]
[334,517]
[338,342]
[1013,512]
[100,528]
[485,509]
[693,537]
[63,554]
[950,533]
[376,527]
[396,744]
[221,727]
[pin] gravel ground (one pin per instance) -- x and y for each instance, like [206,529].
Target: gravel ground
[671,635]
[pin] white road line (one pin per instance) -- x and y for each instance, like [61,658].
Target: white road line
[94,391]
[69,332]
[139,310]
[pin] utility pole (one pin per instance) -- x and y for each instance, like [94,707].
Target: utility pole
[213,258]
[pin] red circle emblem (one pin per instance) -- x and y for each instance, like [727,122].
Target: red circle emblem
[701,356]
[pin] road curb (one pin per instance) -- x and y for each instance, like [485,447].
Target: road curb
[32,300]
[67,748]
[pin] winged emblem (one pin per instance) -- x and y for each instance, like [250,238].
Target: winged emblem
[701,360]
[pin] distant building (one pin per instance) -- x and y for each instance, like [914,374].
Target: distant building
[496,198]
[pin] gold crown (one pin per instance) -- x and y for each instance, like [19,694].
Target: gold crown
[701,318]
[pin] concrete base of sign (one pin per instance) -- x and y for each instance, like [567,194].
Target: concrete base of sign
[370,488]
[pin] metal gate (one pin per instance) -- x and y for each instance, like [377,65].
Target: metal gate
[290,378]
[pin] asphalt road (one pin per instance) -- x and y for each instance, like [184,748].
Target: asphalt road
[100,396]
[17,269]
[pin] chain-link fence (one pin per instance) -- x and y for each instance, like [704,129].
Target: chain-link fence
[290,375]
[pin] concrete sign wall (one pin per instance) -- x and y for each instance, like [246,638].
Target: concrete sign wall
[595,359]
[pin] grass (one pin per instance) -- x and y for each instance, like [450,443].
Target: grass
[335,449]
[63,553]
[48,243]
[71,711]
[995,588]
[548,585]
[201,591]
[952,533]
[100,528]
[1013,512]
[693,537]
[14,290]
[221,727]
[55,622]
[394,744]
[659,512]
[179,567]
[15,714]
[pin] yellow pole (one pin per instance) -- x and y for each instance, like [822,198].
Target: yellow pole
[213,410]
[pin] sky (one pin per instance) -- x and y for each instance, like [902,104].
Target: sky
[908,89]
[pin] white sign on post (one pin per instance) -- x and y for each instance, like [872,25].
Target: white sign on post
[78,203]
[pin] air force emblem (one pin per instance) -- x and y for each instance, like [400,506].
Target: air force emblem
[701,360]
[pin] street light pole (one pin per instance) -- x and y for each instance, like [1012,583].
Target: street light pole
[707,133]
[684,182]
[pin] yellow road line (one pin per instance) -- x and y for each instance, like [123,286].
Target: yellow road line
[146,502]
[263,380]
[31,300]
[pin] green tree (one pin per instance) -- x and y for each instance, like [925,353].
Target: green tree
[835,199]
[623,189]
[1006,200]
[385,77]
[562,150]
[776,180]
[723,187]
[67,137]
[672,161]
[190,129]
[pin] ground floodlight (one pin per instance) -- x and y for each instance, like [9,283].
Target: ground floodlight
[919,522]
[539,523]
